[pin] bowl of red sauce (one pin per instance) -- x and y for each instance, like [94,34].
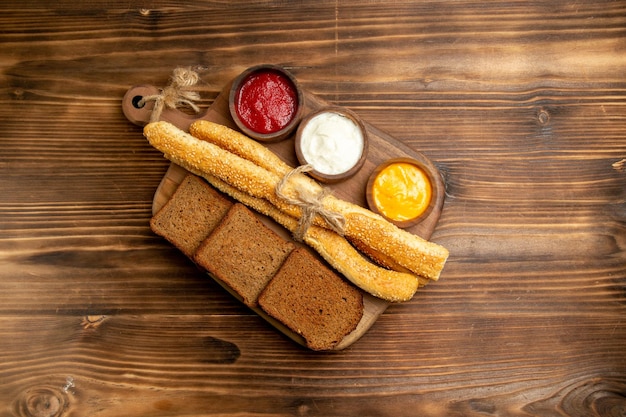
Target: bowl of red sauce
[266,102]
[402,191]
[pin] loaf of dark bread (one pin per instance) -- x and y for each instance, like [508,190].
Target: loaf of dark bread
[312,300]
[193,211]
[265,270]
[243,253]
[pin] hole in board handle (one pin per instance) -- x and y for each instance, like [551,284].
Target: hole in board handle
[137,102]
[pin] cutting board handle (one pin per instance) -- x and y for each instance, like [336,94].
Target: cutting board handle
[140,115]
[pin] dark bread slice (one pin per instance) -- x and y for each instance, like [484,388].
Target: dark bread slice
[243,253]
[192,213]
[313,301]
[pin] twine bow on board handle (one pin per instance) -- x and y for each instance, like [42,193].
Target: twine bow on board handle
[144,103]
[175,94]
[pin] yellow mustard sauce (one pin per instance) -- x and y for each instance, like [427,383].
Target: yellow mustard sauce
[401,191]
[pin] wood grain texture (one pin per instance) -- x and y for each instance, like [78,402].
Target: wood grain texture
[521,104]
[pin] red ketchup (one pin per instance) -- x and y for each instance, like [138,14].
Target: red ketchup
[266,101]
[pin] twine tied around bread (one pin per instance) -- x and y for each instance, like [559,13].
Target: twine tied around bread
[310,204]
[175,94]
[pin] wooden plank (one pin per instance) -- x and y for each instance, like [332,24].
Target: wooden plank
[520,104]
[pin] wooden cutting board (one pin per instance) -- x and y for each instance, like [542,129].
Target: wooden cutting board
[382,147]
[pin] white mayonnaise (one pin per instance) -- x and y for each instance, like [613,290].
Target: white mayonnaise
[331,143]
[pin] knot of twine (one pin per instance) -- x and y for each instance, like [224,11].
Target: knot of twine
[311,206]
[175,94]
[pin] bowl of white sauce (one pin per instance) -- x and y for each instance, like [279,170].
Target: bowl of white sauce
[333,142]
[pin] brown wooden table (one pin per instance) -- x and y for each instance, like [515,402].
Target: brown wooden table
[521,105]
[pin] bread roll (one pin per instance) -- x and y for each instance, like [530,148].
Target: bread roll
[241,145]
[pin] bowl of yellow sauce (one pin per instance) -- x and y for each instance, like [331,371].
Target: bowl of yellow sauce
[400,190]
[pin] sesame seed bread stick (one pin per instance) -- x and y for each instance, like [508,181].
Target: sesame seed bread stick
[239,144]
[200,157]
[244,147]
